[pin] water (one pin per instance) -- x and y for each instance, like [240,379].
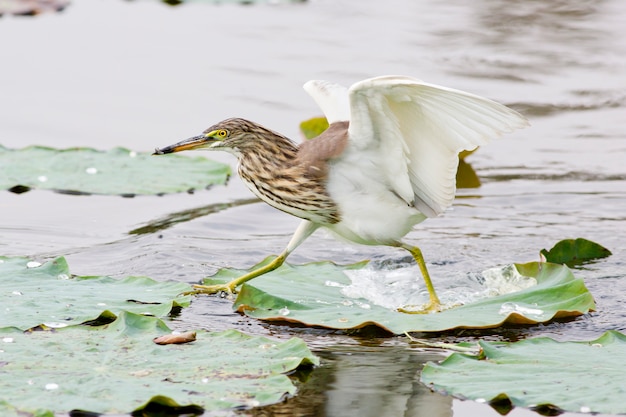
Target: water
[142,75]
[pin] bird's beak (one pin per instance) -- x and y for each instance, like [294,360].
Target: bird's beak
[196,142]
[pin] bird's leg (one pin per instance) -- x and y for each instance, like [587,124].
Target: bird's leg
[303,231]
[434,305]
[231,286]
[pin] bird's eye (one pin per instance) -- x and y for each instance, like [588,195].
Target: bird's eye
[222,133]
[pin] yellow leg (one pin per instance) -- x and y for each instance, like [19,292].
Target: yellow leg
[303,231]
[434,305]
[231,287]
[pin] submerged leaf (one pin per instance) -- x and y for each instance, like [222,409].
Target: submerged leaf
[539,373]
[47,295]
[116,368]
[317,294]
[117,171]
[575,252]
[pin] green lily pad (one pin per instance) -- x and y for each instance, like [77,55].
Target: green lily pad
[313,127]
[117,368]
[539,373]
[575,252]
[322,294]
[34,294]
[116,172]
[466,177]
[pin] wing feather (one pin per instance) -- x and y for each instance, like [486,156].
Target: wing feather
[419,129]
[331,98]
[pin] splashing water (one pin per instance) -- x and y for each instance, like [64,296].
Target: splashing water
[399,287]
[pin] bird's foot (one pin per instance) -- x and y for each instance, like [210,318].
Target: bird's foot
[428,308]
[228,289]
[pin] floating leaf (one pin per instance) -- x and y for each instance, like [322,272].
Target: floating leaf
[465,154]
[313,127]
[116,368]
[466,177]
[315,295]
[117,171]
[539,373]
[34,294]
[575,252]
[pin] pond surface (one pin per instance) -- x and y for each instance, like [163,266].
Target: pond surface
[142,74]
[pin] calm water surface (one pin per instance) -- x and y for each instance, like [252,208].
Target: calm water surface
[142,74]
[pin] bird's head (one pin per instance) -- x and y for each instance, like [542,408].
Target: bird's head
[231,135]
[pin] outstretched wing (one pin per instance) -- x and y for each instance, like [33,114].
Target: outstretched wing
[332,99]
[417,130]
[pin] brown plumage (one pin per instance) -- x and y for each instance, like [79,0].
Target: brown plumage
[289,177]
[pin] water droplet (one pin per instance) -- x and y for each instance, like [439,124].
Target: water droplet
[42,178]
[52,386]
[91,170]
[481,400]
[585,409]
[332,284]
[63,276]
[508,308]
[132,154]
[101,304]
[7,339]
[267,346]
[17,293]
[347,303]
[596,345]
[33,264]
[365,306]
[205,380]
[55,325]
[141,373]
[284,311]
[342,320]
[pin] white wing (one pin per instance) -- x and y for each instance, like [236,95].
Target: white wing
[417,130]
[332,99]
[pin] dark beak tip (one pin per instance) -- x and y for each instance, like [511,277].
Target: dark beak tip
[161,151]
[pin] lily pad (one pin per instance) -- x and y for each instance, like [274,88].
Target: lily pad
[316,294]
[34,294]
[575,252]
[312,128]
[117,368]
[539,373]
[117,171]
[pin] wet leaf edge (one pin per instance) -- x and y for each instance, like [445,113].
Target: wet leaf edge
[542,271]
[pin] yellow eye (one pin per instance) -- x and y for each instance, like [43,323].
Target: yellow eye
[222,133]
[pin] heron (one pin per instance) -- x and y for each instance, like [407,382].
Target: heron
[387,162]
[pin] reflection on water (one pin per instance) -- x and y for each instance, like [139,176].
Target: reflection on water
[142,74]
[365,382]
[172,219]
